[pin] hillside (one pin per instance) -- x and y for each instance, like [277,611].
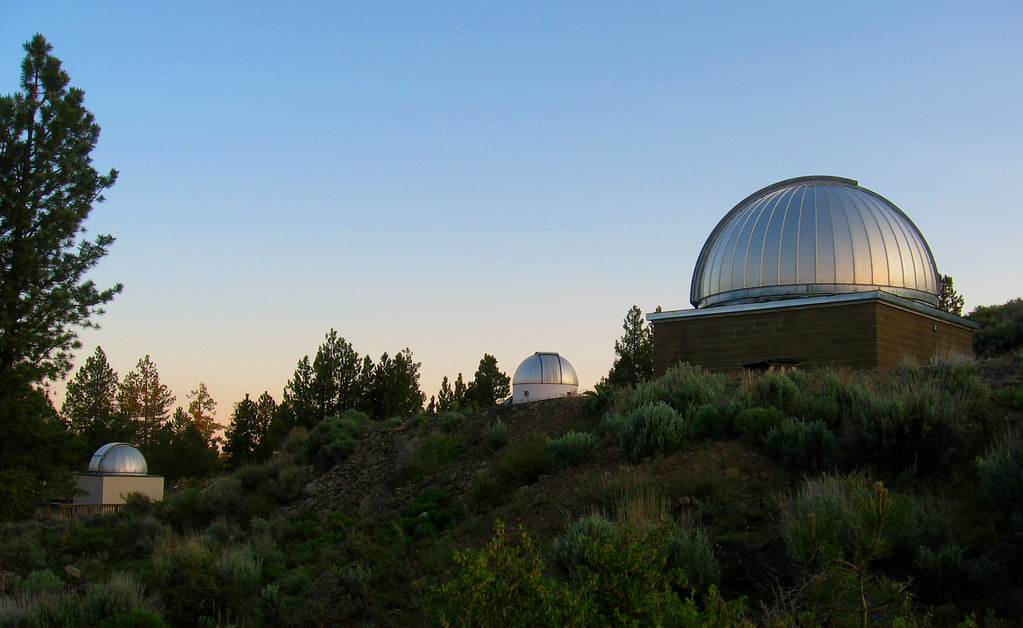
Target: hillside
[358,523]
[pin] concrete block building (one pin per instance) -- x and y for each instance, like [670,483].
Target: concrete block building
[814,271]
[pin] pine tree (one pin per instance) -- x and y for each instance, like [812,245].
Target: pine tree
[394,387]
[336,370]
[90,405]
[635,351]
[144,400]
[445,396]
[459,393]
[47,190]
[489,384]
[242,433]
[948,299]
[202,412]
[299,406]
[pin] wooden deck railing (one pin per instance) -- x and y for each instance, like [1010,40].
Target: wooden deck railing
[79,510]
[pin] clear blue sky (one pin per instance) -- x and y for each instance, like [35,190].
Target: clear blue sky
[501,177]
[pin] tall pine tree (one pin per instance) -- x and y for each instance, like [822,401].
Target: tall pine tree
[90,404]
[144,400]
[48,187]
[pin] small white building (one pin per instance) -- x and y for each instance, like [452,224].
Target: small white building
[544,376]
[115,470]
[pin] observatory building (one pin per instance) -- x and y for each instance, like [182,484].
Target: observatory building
[812,271]
[115,470]
[543,376]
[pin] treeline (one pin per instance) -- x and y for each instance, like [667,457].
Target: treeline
[337,381]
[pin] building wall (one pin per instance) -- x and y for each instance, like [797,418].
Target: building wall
[522,393]
[869,333]
[111,489]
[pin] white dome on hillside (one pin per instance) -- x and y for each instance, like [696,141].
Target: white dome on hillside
[544,376]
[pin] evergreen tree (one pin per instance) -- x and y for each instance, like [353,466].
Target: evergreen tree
[202,412]
[948,299]
[242,433]
[90,405]
[47,189]
[635,352]
[178,450]
[394,388]
[144,400]
[489,384]
[445,396]
[299,405]
[266,410]
[459,392]
[336,371]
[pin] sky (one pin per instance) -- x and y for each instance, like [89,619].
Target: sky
[462,178]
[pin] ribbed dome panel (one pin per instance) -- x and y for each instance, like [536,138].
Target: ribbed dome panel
[813,236]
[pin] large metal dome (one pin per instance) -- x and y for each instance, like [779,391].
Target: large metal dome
[118,459]
[545,368]
[813,236]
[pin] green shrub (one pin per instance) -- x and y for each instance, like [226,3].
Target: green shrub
[572,448]
[600,399]
[451,421]
[1001,474]
[801,446]
[41,581]
[435,450]
[691,552]
[333,438]
[524,463]
[1001,328]
[753,424]
[496,433]
[611,424]
[430,512]
[121,594]
[686,387]
[775,390]
[484,489]
[652,429]
[573,548]
[710,422]
[622,584]
[137,618]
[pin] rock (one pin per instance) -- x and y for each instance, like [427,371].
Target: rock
[72,571]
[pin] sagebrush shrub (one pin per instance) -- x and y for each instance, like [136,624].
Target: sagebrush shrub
[572,448]
[430,512]
[686,387]
[753,424]
[496,433]
[524,462]
[801,446]
[333,438]
[435,450]
[1001,474]
[775,390]
[573,548]
[611,424]
[484,489]
[652,429]
[691,552]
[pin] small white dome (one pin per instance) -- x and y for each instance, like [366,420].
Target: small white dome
[118,459]
[545,368]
